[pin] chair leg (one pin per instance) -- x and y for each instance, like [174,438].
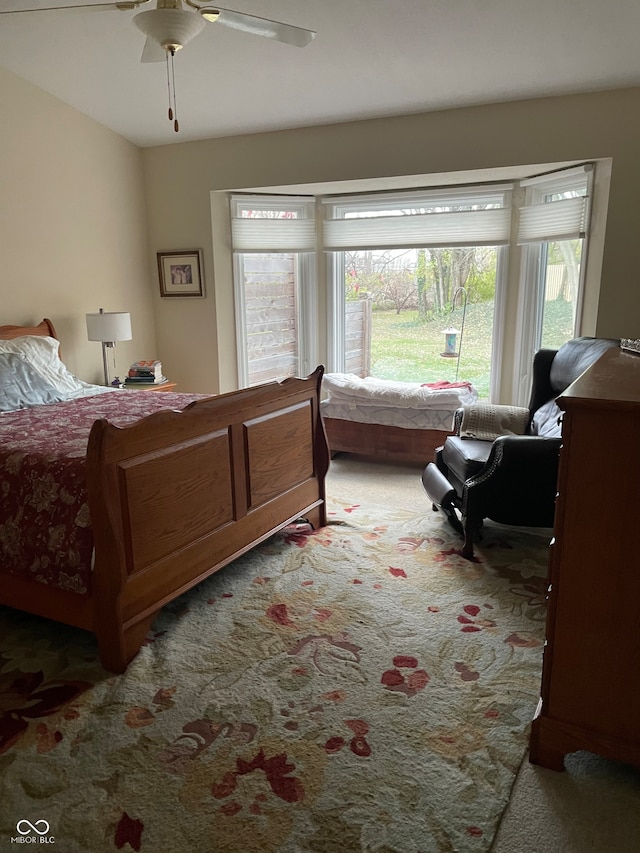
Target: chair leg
[467,548]
[472,528]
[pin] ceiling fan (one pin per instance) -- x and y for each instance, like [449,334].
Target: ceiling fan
[170,26]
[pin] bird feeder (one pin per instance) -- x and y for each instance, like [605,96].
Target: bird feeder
[450,343]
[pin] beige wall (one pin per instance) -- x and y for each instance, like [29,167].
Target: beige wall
[179,179]
[73,236]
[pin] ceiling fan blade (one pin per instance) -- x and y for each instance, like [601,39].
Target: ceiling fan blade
[123,6]
[287,33]
[152,51]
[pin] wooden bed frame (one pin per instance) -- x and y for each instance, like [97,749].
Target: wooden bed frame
[384,442]
[178,495]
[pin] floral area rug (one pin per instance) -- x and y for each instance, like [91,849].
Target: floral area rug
[358,688]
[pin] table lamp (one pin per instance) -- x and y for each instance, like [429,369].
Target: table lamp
[108,327]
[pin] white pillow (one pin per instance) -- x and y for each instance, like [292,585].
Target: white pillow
[21,387]
[42,353]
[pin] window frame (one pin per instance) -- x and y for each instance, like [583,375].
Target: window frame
[533,273]
[305,282]
[516,300]
[468,195]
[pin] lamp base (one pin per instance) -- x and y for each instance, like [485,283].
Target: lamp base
[105,366]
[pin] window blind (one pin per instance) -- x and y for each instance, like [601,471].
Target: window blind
[486,227]
[564,219]
[273,235]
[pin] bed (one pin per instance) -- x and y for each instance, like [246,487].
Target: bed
[398,421]
[114,502]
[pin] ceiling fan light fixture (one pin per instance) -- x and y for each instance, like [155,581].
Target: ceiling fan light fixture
[209,14]
[170,28]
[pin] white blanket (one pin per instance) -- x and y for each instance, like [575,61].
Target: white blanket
[346,387]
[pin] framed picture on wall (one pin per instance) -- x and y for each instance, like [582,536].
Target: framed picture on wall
[181,273]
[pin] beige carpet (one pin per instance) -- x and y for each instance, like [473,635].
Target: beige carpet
[356,688]
[594,806]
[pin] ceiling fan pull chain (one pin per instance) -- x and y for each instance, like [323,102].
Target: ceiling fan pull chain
[171,88]
[176,126]
[166,56]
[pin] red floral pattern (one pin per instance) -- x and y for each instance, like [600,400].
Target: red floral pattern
[408,683]
[470,624]
[25,696]
[45,532]
[277,770]
[128,831]
[358,744]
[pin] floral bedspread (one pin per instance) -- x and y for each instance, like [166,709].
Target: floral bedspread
[45,523]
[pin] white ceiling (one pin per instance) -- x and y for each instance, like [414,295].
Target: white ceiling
[370,58]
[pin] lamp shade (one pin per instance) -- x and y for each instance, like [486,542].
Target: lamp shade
[109,326]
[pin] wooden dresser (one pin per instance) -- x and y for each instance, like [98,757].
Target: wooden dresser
[590,698]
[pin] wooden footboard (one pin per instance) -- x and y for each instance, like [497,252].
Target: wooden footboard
[384,442]
[179,495]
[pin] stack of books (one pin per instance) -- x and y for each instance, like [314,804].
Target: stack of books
[145,373]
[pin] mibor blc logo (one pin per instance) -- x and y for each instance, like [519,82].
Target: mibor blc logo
[33,833]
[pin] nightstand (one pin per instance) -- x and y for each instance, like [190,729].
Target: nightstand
[164,386]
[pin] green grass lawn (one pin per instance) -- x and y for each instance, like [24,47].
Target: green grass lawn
[407,349]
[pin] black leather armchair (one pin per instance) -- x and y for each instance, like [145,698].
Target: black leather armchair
[509,478]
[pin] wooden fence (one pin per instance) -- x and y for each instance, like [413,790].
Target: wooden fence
[271,316]
[357,327]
